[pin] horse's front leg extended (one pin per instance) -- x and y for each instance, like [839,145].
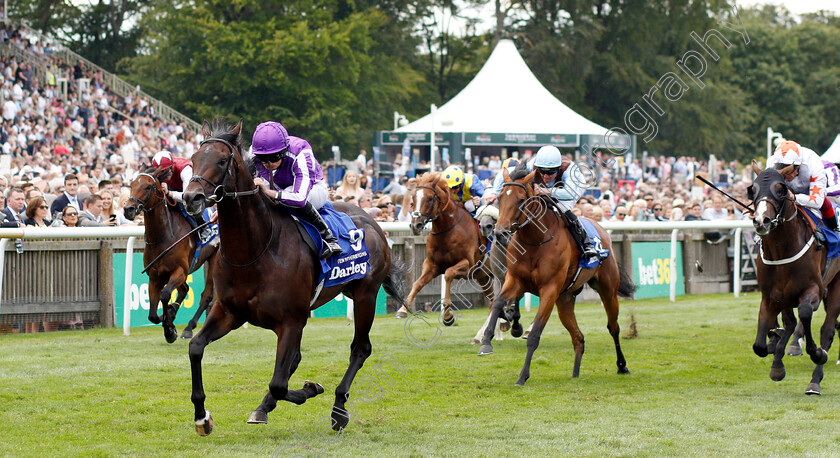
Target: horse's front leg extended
[177,280]
[510,290]
[777,370]
[430,271]
[219,322]
[810,300]
[764,320]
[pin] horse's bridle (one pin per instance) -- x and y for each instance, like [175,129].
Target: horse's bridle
[219,191]
[780,218]
[516,224]
[428,218]
[141,203]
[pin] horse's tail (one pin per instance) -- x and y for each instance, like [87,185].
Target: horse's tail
[626,287]
[394,283]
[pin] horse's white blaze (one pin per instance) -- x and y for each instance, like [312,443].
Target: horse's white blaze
[508,193]
[761,210]
[418,200]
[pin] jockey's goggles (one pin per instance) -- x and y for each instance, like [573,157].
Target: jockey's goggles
[543,171]
[273,157]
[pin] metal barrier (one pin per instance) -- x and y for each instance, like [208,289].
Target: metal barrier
[92,249]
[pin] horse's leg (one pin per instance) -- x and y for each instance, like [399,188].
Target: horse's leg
[810,300]
[461,269]
[832,310]
[206,298]
[360,350]
[511,289]
[155,285]
[795,347]
[429,272]
[609,296]
[177,279]
[547,298]
[764,321]
[777,370]
[219,322]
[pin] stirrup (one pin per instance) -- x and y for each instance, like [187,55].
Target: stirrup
[821,241]
[589,252]
[330,249]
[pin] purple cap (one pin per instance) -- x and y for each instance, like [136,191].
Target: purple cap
[269,137]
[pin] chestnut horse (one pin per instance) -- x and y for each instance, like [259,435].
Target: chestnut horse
[543,260]
[453,247]
[164,226]
[266,275]
[791,275]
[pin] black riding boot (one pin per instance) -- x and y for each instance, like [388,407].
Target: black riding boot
[832,223]
[580,236]
[331,246]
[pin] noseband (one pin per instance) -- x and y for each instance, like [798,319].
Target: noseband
[141,203]
[780,211]
[516,224]
[219,191]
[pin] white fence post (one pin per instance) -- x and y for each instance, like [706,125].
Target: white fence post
[674,264]
[736,280]
[129,264]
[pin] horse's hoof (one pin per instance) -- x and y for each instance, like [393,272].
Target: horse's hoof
[478,341]
[819,357]
[258,417]
[813,388]
[623,370]
[400,315]
[205,426]
[448,320]
[777,374]
[170,333]
[187,334]
[520,382]
[504,326]
[516,329]
[155,319]
[794,350]
[485,350]
[313,389]
[340,418]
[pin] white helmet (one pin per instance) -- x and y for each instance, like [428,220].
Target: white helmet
[788,153]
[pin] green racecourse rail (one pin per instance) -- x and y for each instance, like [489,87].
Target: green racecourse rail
[130,234]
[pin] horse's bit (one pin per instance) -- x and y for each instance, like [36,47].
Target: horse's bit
[141,203]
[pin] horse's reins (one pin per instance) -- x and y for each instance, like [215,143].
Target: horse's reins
[219,190]
[162,254]
[775,222]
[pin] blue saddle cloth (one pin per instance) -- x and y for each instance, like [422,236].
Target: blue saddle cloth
[832,240]
[214,228]
[353,262]
[596,241]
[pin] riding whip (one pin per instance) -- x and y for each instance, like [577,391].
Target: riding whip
[172,246]
[722,192]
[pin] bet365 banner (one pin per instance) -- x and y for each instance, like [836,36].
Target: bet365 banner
[652,269]
[139,296]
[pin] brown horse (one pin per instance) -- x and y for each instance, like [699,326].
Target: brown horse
[453,247]
[266,275]
[791,274]
[164,226]
[543,260]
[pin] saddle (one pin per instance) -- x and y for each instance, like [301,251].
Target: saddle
[818,234]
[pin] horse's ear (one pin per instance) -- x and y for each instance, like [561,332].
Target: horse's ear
[237,129]
[506,175]
[787,171]
[530,177]
[205,129]
[755,167]
[163,174]
[751,192]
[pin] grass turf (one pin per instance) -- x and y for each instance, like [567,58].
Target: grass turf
[695,388]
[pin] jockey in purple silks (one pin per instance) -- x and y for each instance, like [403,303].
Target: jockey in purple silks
[288,172]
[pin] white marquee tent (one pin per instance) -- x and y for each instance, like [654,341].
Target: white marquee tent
[832,154]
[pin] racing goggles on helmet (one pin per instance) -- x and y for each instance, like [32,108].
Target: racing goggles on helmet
[545,171]
[273,157]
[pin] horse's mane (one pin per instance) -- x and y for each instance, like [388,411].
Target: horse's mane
[429,178]
[220,128]
[520,172]
[152,170]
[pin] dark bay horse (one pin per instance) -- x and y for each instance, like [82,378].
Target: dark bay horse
[164,226]
[266,275]
[453,247]
[544,262]
[791,275]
